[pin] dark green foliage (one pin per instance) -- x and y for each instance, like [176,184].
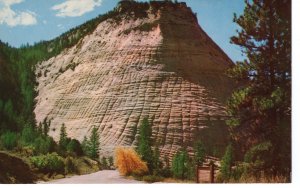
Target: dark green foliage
[8,109]
[35,138]
[144,143]
[144,149]
[199,153]
[40,128]
[66,144]
[49,163]
[137,8]
[91,146]
[260,109]
[181,166]
[46,126]
[74,146]
[9,140]
[227,163]
[85,146]
[254,158]
[214,138]
[104,164]
[94,143]
[156,162]
[43,145]
[28,135]
[63,141]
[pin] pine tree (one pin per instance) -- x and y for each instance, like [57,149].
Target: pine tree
[156,161]
[181,165]
[85,146]
[94,144]
[144,143]
[46,126]
[260,107]
[63,138]
[199,153]
[226,163]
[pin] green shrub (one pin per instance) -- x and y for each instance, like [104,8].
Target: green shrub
[44,145]
[28,135]
[104,164]
[199,153]
[74,146]
[70,166]
[182,166]
[152,178]
[49,163]
[9,140]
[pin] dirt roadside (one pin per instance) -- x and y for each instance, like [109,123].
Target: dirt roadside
[101,177]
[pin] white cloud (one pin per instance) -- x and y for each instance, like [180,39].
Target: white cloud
[74,8]
[12,18]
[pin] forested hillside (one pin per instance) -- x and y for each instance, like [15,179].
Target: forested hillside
[19,132]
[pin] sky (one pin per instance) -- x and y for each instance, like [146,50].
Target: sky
[30,21]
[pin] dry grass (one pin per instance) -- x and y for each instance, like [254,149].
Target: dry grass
[172,180]
[252,179]
[128,162]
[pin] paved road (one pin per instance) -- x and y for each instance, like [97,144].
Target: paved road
[104,176]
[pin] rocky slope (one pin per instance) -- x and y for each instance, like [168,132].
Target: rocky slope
[149,60]
[14,170]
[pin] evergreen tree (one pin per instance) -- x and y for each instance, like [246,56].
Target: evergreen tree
[63,138]
[226,163]
[85,146]
[94,144]
[260,108]
[199,153]
[28,134]
[144,143]
[156,161]
[46,127]
[181,165]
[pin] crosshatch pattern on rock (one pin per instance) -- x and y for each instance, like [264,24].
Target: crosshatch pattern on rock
[121,73]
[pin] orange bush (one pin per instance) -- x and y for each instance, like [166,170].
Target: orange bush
[129,162]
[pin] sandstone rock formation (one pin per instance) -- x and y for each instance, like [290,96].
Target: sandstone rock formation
[153,61]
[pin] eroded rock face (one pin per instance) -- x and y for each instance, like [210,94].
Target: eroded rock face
[162,66]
